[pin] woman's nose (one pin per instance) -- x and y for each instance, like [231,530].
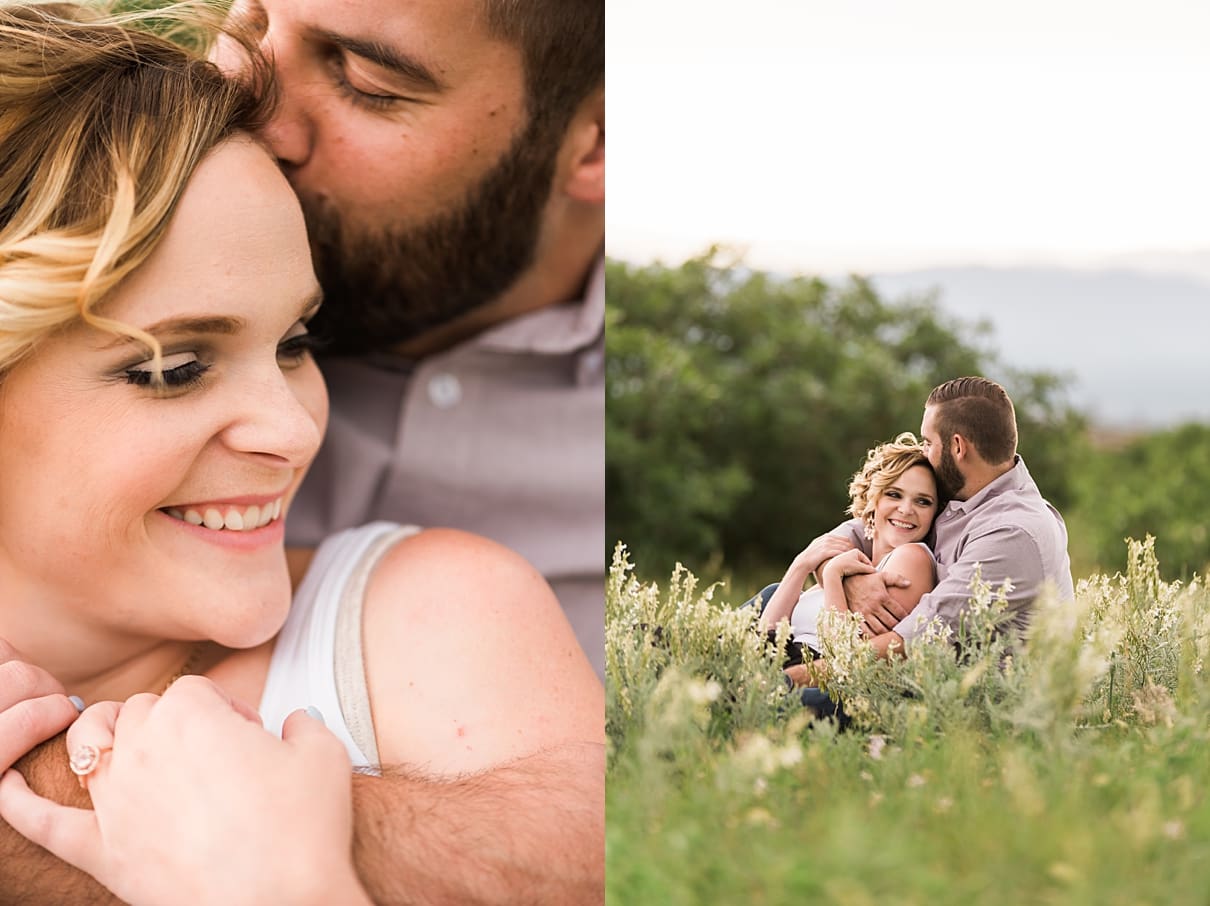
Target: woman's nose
[281,419]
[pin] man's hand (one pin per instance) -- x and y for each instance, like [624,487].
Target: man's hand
[33,706]
[866,594]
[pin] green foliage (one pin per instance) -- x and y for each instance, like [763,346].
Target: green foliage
[1159,479]
[740,403]
[1070,769]
[189,23]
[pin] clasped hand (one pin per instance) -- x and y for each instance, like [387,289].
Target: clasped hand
[195,802]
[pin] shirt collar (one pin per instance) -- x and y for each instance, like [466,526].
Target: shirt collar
[555,329]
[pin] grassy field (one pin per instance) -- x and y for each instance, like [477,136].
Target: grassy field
[1074,770]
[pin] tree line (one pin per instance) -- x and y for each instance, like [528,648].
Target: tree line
[740,402]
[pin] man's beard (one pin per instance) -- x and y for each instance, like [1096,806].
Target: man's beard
[949,479]
[384,285]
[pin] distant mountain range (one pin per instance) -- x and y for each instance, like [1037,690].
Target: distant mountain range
[1136,340]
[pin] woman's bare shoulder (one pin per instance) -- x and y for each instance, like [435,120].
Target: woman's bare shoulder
[469,659]
[911,558]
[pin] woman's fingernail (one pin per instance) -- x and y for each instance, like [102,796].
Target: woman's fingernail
[315,714]
[77,701]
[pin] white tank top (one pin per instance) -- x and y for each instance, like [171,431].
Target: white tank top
[317,657]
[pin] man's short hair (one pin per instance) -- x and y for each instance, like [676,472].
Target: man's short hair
[980,411]
[562,44]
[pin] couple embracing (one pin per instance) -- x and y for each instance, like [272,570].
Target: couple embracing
[928,514]
[160,407]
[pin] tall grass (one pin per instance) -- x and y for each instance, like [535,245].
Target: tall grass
[1069,769]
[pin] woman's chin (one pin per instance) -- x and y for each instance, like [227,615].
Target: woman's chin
[252,626]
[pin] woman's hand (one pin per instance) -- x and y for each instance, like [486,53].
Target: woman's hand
[850,563]
[822,549]
[33,706]
[196,803]
[781,604]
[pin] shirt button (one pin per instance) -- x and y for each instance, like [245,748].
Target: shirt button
[445,391]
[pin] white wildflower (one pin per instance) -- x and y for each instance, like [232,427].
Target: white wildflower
[704,693]
[877,744]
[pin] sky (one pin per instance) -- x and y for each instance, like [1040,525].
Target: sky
[852,135]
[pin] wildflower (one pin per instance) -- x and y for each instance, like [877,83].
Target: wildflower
[1061,871]
[916,781]
[1153,704]
[1174,830]
[877,744]
[760,817]
[971,677]
[790,754]
[704,693]
[944,804]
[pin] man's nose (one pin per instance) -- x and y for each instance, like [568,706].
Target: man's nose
[289,132]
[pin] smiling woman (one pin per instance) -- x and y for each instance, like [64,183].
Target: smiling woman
[230,424]
[158,409]
[895,497]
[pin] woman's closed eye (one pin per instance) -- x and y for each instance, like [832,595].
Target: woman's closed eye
[297,346]
[179,370]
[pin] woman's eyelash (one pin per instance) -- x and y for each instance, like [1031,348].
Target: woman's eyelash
[189,374]
[298,346]
[184,375]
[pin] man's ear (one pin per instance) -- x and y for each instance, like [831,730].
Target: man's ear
[959,447]
[584,150]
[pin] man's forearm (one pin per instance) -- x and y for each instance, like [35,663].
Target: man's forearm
[532,831]
[29,875]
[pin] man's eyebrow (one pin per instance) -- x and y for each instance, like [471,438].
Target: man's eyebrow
[387,57]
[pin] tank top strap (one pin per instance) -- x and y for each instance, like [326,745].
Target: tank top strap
[348,659]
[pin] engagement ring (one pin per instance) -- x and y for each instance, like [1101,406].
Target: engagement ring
[84,760]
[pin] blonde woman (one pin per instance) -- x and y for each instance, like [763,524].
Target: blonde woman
[895,496]
[158,410]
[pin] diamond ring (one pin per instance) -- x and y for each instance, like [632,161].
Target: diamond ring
[84,760]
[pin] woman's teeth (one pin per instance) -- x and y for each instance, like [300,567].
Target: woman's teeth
[901,525]
[232,518]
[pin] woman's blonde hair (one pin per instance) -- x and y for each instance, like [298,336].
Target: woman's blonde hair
[102,123]
[884,464]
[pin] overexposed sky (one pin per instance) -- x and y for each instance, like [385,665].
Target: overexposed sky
[852,134]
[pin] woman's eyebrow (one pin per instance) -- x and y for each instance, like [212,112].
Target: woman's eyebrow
[221,325]
[312,302]
[212,324]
